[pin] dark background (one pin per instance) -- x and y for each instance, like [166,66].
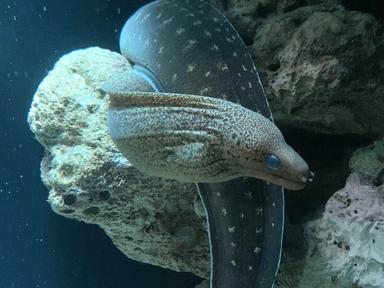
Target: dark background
[37,247]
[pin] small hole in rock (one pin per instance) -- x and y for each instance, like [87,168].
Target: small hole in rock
[67,211]
[69,199]
[104,195]
[91,211]
[273,67]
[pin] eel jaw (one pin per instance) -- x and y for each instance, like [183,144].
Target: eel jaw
[288,183]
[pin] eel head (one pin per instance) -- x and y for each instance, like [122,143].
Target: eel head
[267,156]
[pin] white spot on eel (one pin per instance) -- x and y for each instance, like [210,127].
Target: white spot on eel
[168,20]
[191,67]
[145,18]
[180,30]
[222,66]
[215,47]
[190,44]
[208,34]
[231,229]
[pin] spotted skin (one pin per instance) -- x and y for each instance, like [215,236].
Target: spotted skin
[192,138]
[211,58]
[191,48]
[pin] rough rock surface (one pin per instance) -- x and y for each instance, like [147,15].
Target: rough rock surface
[248,15]
[369,163]
[345,246]
[322,75]
[149,219]
[322,65]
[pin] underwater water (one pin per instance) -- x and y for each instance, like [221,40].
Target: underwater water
[39,248]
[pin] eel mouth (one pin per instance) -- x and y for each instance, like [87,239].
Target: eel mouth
[288,183]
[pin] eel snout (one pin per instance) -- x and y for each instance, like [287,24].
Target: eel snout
[283,167]
[295,173]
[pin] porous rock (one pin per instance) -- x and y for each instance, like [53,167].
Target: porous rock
[369,162]
[149,219]
[350,237]
[248,15]
[323,69]
[321,64]
[345,247]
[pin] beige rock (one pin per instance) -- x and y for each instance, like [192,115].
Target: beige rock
[148,219]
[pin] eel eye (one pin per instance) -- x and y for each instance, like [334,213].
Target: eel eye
[273,162]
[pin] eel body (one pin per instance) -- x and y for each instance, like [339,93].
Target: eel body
[188,47]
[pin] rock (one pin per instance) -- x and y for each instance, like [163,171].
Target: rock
[248,15]
[149,219]
[345,247]
[369,162]
[322,75]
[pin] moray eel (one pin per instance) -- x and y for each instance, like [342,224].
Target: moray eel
[193,109]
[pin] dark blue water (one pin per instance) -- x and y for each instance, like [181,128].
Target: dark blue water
[37,247]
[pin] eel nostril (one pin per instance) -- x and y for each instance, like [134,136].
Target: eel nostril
[311,176]
[308,178]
